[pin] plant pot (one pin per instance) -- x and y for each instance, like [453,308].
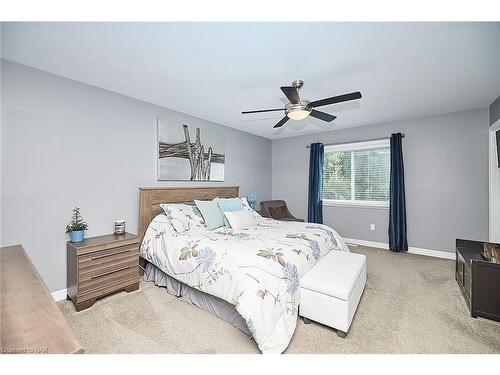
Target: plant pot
[76,235]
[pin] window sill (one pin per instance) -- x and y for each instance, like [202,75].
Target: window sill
[347,204]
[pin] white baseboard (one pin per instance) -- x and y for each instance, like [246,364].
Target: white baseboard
[432,253]
[59,295]
[411,250]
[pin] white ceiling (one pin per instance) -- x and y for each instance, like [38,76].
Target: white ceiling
[216,70]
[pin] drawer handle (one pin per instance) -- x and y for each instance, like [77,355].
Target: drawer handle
[109,272]
[108,255]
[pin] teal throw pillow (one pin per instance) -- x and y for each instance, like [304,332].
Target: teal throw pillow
[229,205]
[211,213]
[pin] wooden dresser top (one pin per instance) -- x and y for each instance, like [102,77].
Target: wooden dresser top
[116,239]
[31,322]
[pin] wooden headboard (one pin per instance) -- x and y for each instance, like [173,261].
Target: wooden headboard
[151,198]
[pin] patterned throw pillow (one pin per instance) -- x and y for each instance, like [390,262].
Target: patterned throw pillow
[255,215]
[211,213]
[244,201]
[183,217]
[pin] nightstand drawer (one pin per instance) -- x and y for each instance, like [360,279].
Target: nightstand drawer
[94,270]
[98,263]
[104,277]
[103,256]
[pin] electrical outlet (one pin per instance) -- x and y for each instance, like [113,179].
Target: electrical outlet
[372,226]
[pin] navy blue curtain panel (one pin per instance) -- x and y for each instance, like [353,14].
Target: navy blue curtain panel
[397,209]
[315,202]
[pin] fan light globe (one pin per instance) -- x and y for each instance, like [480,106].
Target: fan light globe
[298,114]
[298,111]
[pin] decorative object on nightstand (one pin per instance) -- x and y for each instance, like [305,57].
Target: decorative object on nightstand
[119,226]
[251,199]
[77,226]
[98,266]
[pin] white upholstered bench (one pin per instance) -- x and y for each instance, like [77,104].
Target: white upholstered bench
[331,290]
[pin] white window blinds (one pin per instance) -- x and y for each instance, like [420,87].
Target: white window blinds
[357,173]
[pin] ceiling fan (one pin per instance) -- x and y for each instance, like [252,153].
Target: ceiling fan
[299,109]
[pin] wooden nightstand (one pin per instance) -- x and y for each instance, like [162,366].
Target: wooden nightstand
[98,266]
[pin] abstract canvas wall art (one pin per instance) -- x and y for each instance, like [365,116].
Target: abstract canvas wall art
[186,153]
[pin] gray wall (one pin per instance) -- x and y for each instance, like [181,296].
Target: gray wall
[495,111]
[65,143]
[446,171]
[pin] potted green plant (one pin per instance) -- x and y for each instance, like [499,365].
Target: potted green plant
[76,227]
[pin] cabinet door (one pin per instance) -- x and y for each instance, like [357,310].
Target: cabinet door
[486,297]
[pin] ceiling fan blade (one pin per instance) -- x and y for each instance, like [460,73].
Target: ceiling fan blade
[336,99]
[291,94]
[263,110]
[322,115]
[281,123]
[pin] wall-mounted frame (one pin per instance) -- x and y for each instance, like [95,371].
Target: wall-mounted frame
[186,153]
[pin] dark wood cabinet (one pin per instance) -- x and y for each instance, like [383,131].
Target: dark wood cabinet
[478,279]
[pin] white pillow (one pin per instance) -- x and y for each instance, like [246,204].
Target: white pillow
[239,219]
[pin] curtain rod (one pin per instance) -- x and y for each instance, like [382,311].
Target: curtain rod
[346,143]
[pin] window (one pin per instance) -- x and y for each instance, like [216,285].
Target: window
[357,174]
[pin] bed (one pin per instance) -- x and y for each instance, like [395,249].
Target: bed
[248,277]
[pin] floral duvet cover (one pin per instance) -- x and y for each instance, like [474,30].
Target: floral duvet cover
[256,269]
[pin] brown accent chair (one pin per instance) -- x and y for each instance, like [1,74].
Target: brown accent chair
[277,210]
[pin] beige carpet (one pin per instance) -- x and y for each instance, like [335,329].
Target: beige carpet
[411,304]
